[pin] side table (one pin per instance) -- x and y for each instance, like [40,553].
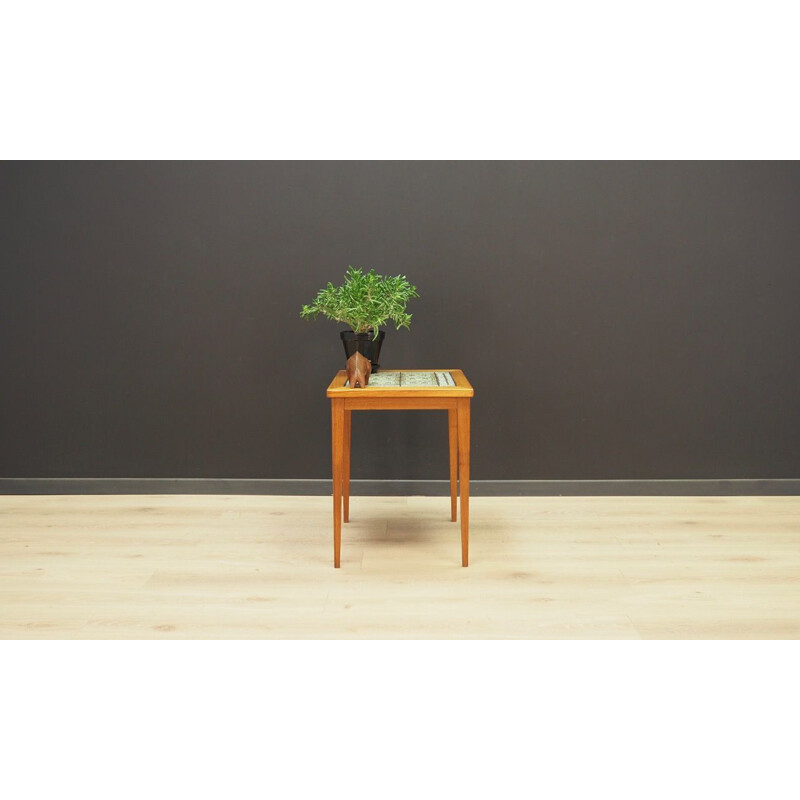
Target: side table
[395,390]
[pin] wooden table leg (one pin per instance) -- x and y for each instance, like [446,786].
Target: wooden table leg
[463,475]
[337,450]
[452,426]
[346,465]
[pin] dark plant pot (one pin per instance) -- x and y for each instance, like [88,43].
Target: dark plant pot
[363,343]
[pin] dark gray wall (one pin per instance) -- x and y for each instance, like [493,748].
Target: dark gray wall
[618,320]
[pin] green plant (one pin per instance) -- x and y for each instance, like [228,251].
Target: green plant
[364,302]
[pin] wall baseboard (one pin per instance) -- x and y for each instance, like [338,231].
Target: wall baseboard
[271,486]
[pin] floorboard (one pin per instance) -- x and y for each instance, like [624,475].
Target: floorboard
[260,567]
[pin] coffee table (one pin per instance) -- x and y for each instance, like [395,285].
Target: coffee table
[400,390]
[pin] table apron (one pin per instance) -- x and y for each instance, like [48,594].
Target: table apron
[400,403]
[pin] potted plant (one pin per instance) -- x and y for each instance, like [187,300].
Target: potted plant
[364,302]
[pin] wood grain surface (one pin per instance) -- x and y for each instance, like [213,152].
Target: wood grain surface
[249,567]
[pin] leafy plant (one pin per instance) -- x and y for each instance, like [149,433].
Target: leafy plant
[364,302]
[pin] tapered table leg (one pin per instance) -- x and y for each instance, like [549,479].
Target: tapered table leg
[337,449]
[452,426]
[463,475]
[346,465]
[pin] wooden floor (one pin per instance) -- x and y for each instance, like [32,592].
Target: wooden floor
[232,567]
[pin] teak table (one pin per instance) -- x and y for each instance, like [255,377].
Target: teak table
[454,398]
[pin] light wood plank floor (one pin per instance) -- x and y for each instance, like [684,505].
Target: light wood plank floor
[232,567]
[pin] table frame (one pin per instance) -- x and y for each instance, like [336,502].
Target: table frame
[455,400]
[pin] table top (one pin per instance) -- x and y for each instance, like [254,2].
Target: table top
[406,383]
